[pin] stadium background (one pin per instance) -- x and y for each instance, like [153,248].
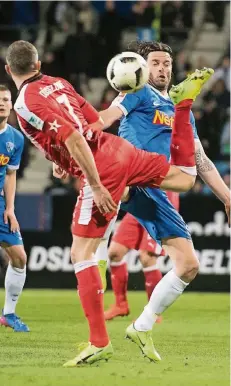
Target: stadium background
[76,41]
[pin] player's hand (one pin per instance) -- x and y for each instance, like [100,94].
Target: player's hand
[59,172]
[227,209]
[10,218]
[103,199]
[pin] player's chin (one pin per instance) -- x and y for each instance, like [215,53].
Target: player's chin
[161,84]
[3,115]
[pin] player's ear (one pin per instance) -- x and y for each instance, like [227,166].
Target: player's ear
[7,68]
[38,65]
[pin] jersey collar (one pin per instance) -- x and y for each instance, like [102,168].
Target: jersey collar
[159,93]
[30,80]
[3,130]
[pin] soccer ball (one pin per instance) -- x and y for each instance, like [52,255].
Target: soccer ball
[127,72]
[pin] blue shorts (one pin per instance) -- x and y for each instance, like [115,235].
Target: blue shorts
[6,236]
[152,208]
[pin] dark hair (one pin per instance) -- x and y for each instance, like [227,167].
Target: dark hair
[4,87]
[144,48]
[21,57]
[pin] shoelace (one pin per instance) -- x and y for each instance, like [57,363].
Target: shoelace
[18,322]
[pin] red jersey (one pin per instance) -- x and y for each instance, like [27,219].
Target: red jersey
[49,110]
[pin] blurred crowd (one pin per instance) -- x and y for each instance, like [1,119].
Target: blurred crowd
[80,37]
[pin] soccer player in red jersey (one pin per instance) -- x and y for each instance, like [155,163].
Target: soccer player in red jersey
[61,124]
[131,235]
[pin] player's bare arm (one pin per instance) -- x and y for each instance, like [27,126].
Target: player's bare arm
[210,175]
[81,153]
[110,115]
[9,190]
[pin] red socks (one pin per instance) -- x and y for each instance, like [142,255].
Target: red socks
[91,296]
[119,281]
[152,278]
[182,141]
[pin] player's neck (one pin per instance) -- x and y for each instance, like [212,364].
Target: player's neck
[3,124]
[164,93]
[19,80]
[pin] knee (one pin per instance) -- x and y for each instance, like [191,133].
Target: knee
[147,259]
[19,260]
[75,257]
[115,256]
[190,270]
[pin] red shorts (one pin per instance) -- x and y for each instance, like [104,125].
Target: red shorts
[119,165]
[132,235]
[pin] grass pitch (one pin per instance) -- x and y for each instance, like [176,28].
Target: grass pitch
[193,341]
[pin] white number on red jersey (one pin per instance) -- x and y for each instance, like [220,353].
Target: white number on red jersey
[63,99]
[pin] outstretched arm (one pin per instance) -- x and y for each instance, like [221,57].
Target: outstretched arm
[210,175]
[110,115]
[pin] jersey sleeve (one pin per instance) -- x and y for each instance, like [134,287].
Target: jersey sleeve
[89,112]
[36,112]
[15,159]
[129,102]
[193,123]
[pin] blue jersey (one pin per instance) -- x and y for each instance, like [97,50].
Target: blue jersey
[11,147]
[147,124]
[148,120]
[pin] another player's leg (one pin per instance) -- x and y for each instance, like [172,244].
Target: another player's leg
[150,250]
[152,274]
[119,281]
[167,291]
[179,249]
[101,255]
[191,87]
[14,283]
[127,236]
[91,295]
[182,141]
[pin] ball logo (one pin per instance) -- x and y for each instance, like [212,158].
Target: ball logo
[4,159]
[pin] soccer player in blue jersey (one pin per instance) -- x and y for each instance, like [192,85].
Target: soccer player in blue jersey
[146,121]
[11,147]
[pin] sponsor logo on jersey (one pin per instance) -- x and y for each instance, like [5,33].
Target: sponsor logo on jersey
[35,121]
[161,118]
[48,90]
[9,146]
[4,159]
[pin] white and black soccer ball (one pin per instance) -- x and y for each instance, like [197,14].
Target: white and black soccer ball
[127,72]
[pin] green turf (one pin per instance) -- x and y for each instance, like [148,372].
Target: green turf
[193,341]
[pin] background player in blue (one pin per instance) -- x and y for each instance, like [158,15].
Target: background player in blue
[11,147]
[146,121]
